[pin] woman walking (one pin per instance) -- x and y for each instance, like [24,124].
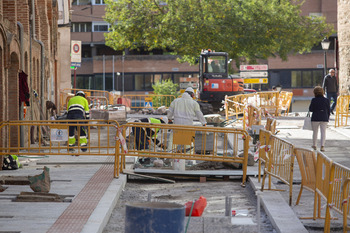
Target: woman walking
[320,109]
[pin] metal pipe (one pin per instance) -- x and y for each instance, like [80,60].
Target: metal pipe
[42,56]
[21,111]
[104,74]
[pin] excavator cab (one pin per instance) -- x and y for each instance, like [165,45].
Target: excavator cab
[214,81]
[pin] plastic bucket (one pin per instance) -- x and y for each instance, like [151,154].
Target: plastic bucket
[154,217]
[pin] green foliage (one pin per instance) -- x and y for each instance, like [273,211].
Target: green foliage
[249,29]
[166,88]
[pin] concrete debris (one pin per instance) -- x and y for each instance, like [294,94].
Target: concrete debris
[158,163]
[38,197]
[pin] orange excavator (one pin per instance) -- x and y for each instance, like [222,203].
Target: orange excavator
[215,82]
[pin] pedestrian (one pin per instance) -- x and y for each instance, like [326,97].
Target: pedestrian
[78,108]
[320,108]
[144,135]
[331,87]
[184,109]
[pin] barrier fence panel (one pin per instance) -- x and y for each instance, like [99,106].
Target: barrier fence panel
[264,150]
[285,100]
[149,101]
[186,142]
[342,111]
[337,194]
[254,116]
[346,210]
[307,165]
[95,102]
[279,163]
[64,93]
[323,169]
[51,138]
[271,103]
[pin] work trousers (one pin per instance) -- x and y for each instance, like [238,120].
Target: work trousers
[323,126]
[76,114]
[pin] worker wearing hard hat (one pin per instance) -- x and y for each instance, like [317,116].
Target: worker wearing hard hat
[78,108]
[184,109]
[145,135]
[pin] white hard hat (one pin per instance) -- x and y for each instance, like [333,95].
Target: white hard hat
[80,93]
[164,119]
[189,89]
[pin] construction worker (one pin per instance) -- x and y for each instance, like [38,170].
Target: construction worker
[143,136]
[78,108]
[184,109]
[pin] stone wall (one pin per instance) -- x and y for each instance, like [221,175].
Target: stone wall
[344,46]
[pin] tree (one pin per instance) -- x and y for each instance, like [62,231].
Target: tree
[249,29]
[166,88]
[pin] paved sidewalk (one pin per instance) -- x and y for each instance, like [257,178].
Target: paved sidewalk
[91,192]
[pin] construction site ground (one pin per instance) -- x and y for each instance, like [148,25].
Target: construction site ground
[93,201]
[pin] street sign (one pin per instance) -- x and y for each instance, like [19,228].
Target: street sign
[254,74]
[255,80]
[75,53]
[148,104]
[253,67]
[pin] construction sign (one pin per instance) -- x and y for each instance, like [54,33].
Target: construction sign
[255,80]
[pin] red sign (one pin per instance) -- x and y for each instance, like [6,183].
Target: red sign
[253,67]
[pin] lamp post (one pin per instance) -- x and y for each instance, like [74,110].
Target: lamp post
[325,46]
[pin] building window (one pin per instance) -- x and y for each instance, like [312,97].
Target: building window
[296,78]
[306,78]
[98,2]
[101,27]
[81,27]
[81,2]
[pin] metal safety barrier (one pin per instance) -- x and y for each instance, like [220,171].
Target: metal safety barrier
[67,92]
[279,156]
[51,138]
[149,101]
[186,142]
[95,102]
[338,194]
[271,103]
[307,165]
[342,113]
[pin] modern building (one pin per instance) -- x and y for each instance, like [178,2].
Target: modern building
[105,69]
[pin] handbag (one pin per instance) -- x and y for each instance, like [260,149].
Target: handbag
[307,122]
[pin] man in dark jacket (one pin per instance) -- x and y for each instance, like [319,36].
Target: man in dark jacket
[330,87]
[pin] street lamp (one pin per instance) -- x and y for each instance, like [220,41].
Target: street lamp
[325,46]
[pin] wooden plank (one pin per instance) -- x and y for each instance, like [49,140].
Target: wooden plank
[128,172]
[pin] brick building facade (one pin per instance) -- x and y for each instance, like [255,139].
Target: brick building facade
[30,46]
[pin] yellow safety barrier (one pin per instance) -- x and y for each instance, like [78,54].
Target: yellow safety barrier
[338,194]
[254,116]
[345,196]
[50,138]
[149,101]
[285,100]
[322,189]
[64,93]
[271,103]
[342,113]
[264,149]
[279,163]
[187,142]
[95,102]
[307,165]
